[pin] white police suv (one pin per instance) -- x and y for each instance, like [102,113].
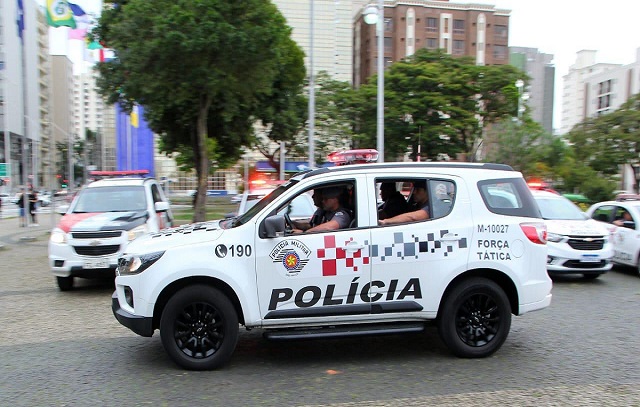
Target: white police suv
[479,258]
[102,219]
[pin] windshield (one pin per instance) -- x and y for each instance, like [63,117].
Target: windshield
[111,199]
[259,205]
[559,209]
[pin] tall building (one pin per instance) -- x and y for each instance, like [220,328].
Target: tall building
[575,93]
[540,87]
[608,90]
[61,111]
[476,30]
[332,21]
[21,118]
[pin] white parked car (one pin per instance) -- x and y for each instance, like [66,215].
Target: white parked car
[622,218]
[102,219]
[467,269]
[576,244]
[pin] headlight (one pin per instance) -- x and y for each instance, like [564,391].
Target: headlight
[58,236]
[137,264]
[137,232]
[554,237]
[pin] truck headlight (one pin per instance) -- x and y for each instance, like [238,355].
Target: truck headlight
[58,236]
[554,237]
[137,264]
[137,232]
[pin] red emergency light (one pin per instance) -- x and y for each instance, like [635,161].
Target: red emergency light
[358,156]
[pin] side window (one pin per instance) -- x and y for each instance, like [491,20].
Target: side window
[413,199]
[155,194]
[604,213]
[508,196]
[322,204]
[442,194]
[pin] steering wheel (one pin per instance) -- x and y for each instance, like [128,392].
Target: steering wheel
[288,223]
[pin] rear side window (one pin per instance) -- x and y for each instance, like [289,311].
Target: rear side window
[508,196]
[604,213]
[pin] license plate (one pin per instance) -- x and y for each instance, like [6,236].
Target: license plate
[96,264]
[590,258]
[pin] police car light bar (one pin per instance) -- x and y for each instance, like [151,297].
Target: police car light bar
[118,173]
[359,156]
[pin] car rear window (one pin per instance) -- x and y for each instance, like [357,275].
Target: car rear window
[508,196]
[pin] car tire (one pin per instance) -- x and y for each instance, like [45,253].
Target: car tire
[199,328]
[65,283]
[475,318]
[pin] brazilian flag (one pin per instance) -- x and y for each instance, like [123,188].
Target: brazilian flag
[59,14]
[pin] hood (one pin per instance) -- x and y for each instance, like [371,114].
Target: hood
[587,227]
[193,233]
[91,222]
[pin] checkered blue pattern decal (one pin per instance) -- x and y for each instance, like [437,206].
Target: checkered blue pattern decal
[411,245]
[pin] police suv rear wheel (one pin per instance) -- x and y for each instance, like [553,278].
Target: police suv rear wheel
[199,328]
[475,318]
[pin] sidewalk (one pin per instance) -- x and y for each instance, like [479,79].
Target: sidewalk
[12,232]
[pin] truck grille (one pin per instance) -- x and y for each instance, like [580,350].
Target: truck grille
[96,235]
[96,250]
[586,243]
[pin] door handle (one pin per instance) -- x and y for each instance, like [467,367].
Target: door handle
[449,237]
[353,246]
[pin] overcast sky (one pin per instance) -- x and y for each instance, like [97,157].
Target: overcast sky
[557,27]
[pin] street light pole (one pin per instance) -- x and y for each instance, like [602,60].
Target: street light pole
[380,115]
[371,15]
[519,86]
[312,91]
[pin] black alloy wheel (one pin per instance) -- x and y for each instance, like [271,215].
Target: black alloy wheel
[199,328]
[475,318]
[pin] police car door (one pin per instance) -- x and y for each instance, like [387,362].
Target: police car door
[625,240]
[413,261]
[320,275]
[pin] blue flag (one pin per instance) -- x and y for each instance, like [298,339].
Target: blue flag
[20,19]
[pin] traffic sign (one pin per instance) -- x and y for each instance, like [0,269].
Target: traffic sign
[5,170]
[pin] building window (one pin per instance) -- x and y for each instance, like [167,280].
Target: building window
[432,24]
[458,26]
[458,47]
[500,32]
[388,24]
[445,30]
[387,62]
[388,44]
[432,43]
[500,52]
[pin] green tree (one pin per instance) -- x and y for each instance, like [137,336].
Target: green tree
[518,144]
[608,141]
[203,69]
[441,100]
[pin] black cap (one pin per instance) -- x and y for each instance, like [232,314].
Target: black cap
[331,192]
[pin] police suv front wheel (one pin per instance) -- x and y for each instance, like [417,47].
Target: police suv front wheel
[475,318]
[199,328]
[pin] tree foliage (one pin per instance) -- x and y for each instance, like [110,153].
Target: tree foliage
[439,100]
[203,69]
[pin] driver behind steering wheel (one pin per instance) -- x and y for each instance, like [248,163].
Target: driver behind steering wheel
[335,216]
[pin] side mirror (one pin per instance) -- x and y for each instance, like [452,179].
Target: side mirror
[161,206]
[629,224]
[62,210]
[273,226]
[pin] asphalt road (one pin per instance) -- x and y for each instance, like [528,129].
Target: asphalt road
[67,349]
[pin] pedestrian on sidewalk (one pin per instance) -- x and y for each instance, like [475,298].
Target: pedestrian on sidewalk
[22,213]
[33,201]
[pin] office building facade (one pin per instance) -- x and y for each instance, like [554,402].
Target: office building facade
[475,30]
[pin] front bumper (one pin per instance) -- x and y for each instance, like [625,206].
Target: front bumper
[562,259]
[143,326]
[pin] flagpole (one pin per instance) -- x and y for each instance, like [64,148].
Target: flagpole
[25,127]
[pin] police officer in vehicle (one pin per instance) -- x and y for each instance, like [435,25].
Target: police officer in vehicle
[335,215]
[318,216]
[421,199]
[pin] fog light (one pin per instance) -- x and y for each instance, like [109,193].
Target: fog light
[128,295]
[550,259]
[58,263]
